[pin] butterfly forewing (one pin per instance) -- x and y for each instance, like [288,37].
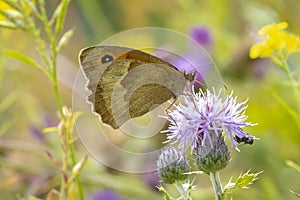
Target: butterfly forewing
[129,84]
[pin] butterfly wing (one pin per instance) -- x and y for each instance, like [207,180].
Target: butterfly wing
[130,86]
[143,87]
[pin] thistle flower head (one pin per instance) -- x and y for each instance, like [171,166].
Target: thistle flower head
[205,113]
[213,155]
[172,166]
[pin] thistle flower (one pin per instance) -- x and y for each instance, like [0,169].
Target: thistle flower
[202,114]
[172,166]
[213,155]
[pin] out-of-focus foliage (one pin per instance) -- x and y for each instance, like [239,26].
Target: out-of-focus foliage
[27,103]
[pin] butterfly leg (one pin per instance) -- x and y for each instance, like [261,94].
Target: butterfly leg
[168,110]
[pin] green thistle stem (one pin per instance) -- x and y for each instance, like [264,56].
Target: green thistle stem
[215,180]
[182,191]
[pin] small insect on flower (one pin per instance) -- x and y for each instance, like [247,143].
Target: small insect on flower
[245,140]
[205,113]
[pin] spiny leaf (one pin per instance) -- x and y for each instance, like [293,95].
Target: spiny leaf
[167,196]
[229,185]
[242,182]
[246,179]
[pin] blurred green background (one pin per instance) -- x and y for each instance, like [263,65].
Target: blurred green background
[27,103]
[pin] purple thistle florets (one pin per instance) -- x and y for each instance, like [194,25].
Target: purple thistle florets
[204,113]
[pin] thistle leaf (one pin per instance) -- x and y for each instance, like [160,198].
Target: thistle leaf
[167,196]
[246,179]
[242,182]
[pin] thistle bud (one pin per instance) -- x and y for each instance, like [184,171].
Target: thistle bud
[212,155]
[172,165]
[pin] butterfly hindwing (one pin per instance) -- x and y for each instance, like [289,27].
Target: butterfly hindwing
[125,83]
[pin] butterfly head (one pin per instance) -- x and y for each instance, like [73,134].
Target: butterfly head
[190,76]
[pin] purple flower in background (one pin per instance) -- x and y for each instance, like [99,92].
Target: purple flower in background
[193,57]
[191,62]
[202,35]
[151,179]
[37,134]
[202,114]
[49,121]
[107,195]
[194,60]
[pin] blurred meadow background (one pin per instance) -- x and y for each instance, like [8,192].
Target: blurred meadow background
[228,29]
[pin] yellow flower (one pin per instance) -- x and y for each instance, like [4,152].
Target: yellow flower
[260,49]
[273,28]
[276,42]
[292,43]
[4,7]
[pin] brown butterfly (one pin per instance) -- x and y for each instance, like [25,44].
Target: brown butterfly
[126,83]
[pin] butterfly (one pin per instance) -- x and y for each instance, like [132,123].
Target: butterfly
[126,83]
